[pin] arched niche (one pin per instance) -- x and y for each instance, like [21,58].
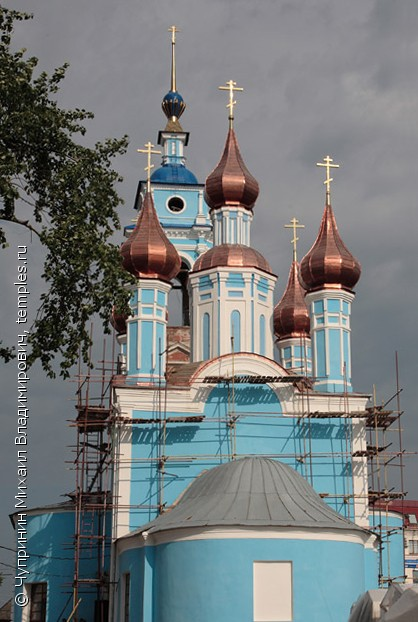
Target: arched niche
[179,302]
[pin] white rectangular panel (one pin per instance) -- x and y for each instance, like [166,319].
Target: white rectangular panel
[272,590]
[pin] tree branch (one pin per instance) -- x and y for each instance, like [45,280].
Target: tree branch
[23,223]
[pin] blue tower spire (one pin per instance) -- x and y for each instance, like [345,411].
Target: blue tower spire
[173,139]
[177,195]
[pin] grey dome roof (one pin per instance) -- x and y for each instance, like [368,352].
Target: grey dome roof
[250,492]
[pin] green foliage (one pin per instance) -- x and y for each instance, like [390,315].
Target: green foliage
[65,194]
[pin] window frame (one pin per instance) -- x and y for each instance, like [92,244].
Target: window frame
[38,599]
[126,608]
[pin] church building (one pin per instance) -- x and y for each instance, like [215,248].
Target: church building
[234,486]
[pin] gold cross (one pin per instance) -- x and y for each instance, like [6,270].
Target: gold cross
[148,150]
[173,31]
[232,87]
[294,224]
[328,164]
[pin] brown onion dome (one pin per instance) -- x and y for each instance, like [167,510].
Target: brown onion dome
[329,264]
[291,316]
[231,256]
[148,252]
[118,321]
[231,183]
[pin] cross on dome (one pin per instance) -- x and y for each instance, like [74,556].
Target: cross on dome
[294,224]
[148,150]
[232,87]
[328,163]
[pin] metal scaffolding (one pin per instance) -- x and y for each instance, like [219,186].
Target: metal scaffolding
[98,460]
[92,496]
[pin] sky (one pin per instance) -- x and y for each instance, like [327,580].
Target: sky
[319,77]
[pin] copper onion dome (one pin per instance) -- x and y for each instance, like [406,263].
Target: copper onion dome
[148,252]
[232,256]
[231,183]
[118,321]
[291,316]
[329,264]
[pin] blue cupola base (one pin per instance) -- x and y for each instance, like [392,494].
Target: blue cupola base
[330,312]
[147,332]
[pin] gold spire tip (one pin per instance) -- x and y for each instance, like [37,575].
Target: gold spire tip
[173,30]
[232,87]
[328,163]
[295,225]
[149,151]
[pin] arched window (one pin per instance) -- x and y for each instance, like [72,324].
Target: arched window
[236,331]
[206,336]
[179,309]
[262,335]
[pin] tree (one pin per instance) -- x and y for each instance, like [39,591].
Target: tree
[65,194]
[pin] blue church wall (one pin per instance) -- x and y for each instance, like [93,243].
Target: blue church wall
[319,338]
[236,330]
[146,331]
[235,280]
[371,569]
[392,563]
[206,337]
[205,283]
[147,351]
[296,357]
[209,580]
[260,429]
[262,329]
[335,352]
[133,346]
[132,562]
[188,255]
[50,546]
[185,217]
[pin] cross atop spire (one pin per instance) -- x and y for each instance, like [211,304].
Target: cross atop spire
[148,150]
[328,164]
[232,87]
[294,224]
[173,30]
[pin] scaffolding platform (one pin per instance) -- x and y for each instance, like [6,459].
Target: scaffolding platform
[378,495]
[192,419]
[92,418]
[336,415]
[143,421]
[370,451]
[379,418]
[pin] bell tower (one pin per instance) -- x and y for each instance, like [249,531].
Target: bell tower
[177,195]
